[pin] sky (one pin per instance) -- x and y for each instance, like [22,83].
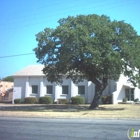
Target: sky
[21,20]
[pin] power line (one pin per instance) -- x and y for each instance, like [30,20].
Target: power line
[37,8]
[59,14]
[16,55]
[38,13]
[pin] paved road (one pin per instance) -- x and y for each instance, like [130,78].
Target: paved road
[65,129]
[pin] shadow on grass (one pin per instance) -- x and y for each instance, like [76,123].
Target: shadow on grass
[109,109]
[54,108]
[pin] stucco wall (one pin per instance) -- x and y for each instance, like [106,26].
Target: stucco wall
[19,82]
[117,88]
[121,85]
[26,88]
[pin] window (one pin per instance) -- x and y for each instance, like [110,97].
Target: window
[49,89]
[81,89]
[34,89]
[132,94]
[65,89]
[129,94]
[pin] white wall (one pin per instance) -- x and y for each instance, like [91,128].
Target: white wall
[119,94]
[26,88]
[16,94]
[19,82]
[123,84]
[137,93]
[25,83]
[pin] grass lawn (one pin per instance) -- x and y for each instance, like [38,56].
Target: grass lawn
[119,111]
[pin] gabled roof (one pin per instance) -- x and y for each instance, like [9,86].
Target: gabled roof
[32,70]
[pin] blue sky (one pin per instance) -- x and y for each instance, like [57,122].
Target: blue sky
[20,20]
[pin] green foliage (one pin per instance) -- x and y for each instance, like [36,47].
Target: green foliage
[89,47]
[77,100]
[63,101]
[45,100]
[125,100]
[136,100]
[107,99]
[17,101]
[9,79]
[31,100]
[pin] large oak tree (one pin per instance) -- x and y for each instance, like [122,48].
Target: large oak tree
[89,47]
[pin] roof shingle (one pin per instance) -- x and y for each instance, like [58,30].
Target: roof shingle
[32,70]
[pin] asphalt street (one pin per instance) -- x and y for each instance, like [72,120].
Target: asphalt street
[65,129]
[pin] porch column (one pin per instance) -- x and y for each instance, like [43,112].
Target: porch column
[41,87]
[27,87]
[89,96]
[72,86]
[56,92]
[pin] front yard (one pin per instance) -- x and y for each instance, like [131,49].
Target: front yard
[119,111]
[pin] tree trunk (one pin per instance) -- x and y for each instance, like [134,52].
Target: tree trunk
[98,93]
[95,101]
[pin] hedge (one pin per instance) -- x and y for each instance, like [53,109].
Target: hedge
[77,100]
[17,101]
[45,100]
[63,101]
[31,100]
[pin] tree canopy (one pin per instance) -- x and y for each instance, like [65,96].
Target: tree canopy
[9,79]
[89,47]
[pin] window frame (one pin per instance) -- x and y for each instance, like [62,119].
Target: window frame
[47,89]
[129,94]
[64,92]
[35,86]
[81,86]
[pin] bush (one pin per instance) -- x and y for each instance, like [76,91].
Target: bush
[104,99]
[31,100]
[136,100]
[77,100]
[125,100]
[45,100]
[107,99]
[17,101]
[63,101]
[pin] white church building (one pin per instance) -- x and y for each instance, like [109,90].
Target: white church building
[31,82]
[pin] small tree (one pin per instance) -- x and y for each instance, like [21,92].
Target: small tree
[89,47]
[9,79]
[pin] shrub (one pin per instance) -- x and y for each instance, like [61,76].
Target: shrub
[77,100]
[136,100]
[107,99]
[31,100]
[125,100]
[63,101]
[17,101]
[104,99]
[45,100]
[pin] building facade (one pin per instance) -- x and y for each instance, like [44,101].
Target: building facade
[31,82]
